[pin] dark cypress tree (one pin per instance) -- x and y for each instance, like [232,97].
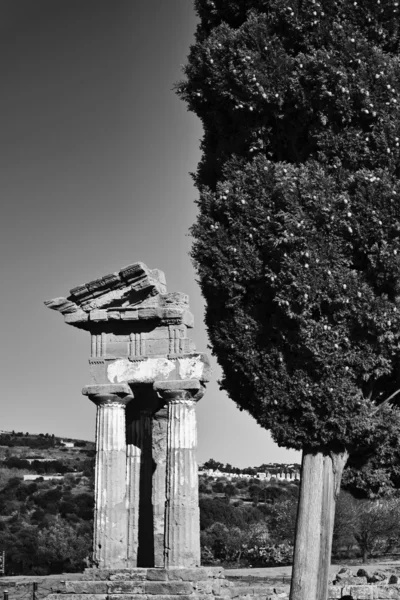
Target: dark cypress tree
[297,241]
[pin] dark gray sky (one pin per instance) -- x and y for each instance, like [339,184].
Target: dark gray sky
[95,155]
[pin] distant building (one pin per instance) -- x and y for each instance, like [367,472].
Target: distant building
[44,477]
[291,473]
[67,444]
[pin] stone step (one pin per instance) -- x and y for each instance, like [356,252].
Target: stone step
[143,588]
[193,596]
[258,591]
[155,574]
[133,587]
[133,583]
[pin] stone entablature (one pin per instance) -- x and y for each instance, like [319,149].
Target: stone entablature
[146,378]
[135,293]
[138,330]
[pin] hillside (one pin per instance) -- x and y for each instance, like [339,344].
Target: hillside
[44,454]
[46,524]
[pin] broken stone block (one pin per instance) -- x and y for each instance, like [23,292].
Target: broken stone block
[343,573]
[364,573]
[378,577]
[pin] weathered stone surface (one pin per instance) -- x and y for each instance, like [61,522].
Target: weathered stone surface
[334,592]
[203,587]
[86,587]
[168,587]
[110,514]
[221,586]
[175,597]
[98,315]
[77,597]
[359,592]
[127,597]
[216,572]
[76,317]
[195,366]
[113,389]
[164,387]
[125,587]
[378,576]
[176,299]
[351,581]
[182,517]
[62,305]
[159,457]
[96,574]
[133,575]
[144,371]
[122,574]
[180,597]
[386,592]
[236,591]
[157,575]
[199,574]
[344,573]
[150,370]
[21,589]
[133,283]
[394,579]
[364,573]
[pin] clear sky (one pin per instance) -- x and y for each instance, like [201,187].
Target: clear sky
[95,156]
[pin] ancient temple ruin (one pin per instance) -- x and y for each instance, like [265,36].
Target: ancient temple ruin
[146,378]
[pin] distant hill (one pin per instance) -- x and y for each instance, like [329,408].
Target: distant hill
[44,454]
[46,524]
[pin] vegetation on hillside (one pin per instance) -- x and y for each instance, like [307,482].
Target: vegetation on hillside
[45,526]
[248,522]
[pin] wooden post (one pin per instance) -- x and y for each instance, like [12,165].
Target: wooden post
[319,487]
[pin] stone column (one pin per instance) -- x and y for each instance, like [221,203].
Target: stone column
[182,518]
[160,433]
[133,460]
[110,515]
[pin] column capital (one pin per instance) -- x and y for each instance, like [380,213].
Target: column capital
[176,391]
[114,393]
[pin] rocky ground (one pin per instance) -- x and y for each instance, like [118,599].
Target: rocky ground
[384,574]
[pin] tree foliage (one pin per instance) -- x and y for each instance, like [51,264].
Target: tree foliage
[297,241]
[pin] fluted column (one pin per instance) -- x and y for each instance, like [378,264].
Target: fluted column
[110,516]
[182,518]
[133,460]
[160,432]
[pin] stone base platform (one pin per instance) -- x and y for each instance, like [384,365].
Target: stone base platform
[202,583]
